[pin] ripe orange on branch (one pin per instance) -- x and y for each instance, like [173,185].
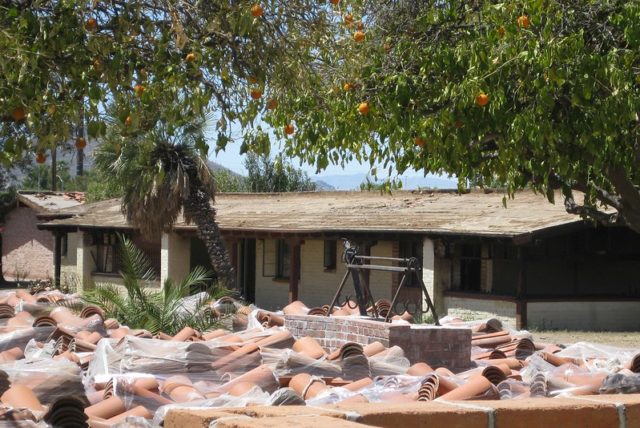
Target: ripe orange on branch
[347,87]
[348,19]
[41,158]
[289,129]
[420,142]
[272,104]
[257,11]
[335,2]
[358,36]
[190,57]
[256,94]
[523,21]
[128,121]
[18,114]
[91,24]
[482,99]
[363,108]
[139,90]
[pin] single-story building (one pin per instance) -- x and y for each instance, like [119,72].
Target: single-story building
[530,263]
[27,252]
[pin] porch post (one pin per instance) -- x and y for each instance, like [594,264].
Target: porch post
[294,270]
[428,272]
[232,244]
[85,263]
[175,257]
[521,290]
[57,257]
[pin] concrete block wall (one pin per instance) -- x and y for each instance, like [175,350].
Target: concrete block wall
[438,346]
[594,315]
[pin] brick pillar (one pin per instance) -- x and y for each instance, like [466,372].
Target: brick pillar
[85,263]
[175,257]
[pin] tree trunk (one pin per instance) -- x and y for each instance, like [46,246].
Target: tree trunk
[198,207]
[80,165]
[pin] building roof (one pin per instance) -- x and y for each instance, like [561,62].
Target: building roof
[427,212]
[50,203]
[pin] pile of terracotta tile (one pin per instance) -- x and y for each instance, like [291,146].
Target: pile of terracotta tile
[67,367]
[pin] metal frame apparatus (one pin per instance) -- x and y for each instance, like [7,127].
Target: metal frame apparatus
[356,264]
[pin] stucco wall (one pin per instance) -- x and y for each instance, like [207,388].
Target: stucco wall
[316,286]
[27,253]
[621,316]
[474,309]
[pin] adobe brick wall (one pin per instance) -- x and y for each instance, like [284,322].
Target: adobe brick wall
[594,411]
[27,252]
[439,346]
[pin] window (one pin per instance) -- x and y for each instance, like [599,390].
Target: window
[283,259]
[106,257]
[330,254]
[470,267]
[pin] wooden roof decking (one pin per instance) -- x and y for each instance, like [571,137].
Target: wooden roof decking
[475,213]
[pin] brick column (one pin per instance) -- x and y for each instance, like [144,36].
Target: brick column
[175,257]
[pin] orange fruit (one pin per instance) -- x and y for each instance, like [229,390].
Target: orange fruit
[81,143]
[257,11]
[128,121]
[289,129]
[335,2]
[482,99]
[91,24]
[139,90]
[348,19]
[363,108]
[18,114]
[41,157]
[256,94]
[358,36]
[501,31]
[420,142]
[190,57]
[523,21]
[272,104]
[360,26]
[347,87]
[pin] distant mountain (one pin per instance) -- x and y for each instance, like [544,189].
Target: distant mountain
[323,185]
[353,181]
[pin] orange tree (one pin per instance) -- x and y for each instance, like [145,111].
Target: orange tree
[150,61]
[540,93]
[144,73]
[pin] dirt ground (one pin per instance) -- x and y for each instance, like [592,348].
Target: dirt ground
[626,339]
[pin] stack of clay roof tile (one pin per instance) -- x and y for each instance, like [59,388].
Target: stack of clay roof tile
[72,368]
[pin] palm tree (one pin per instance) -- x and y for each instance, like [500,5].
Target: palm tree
[164,172]
[152,309]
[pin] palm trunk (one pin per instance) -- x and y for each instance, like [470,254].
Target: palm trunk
[198,207]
